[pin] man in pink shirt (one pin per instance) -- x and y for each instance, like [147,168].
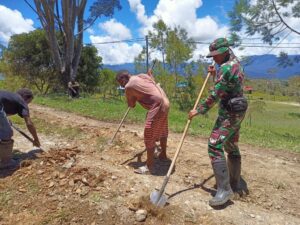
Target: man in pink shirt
[143,89]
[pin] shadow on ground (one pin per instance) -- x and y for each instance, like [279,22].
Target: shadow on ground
[21,159]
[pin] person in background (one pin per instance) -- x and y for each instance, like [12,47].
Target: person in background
[73,89]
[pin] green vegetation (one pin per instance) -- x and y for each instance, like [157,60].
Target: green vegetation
[275,127]
[276,90]
[27,62]
[28,57]
[5,197]
[49,128]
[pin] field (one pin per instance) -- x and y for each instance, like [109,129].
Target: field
[277,127]
[79,179]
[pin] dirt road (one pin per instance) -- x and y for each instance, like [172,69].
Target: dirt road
[83,181]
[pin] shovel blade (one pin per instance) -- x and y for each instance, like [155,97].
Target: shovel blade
[158,200]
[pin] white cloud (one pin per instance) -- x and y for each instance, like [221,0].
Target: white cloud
[116,29]
[183,14]
[115,53]
[176,12]
[12,22]
[90,31]
[137,7]
[179,13]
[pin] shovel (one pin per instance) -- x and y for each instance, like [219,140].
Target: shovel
[23,133]
[158,198]
[115,134]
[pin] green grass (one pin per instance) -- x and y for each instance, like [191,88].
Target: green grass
[277,128]
[5,197]
[47,128]
[268,97]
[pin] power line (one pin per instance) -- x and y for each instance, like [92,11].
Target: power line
[280,42]
[244,45]
[267,46]
[250,45]
[119,41]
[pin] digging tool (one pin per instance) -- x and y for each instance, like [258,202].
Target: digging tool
[23,133]
[111,141]
[137,155]
[158,198]
[127,111]
[153,64]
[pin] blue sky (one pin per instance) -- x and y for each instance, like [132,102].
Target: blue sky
[204,21]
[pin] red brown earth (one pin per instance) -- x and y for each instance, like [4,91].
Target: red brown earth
[82,180]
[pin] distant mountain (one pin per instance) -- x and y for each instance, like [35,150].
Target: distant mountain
[125,66]
[266,66]
[260,66]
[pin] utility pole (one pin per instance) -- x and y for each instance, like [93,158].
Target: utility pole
[147,54]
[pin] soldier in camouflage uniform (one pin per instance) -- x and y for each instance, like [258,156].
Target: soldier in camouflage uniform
[228,90]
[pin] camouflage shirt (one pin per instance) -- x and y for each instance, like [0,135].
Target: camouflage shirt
[229,84]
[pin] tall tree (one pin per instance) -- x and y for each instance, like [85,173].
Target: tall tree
[178,49]
[108,84]
[66,18]
[28,56]
[89,68]
[139,62]
[158,38]
[2,48]
[269,18]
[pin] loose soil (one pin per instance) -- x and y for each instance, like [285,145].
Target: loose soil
[83,180]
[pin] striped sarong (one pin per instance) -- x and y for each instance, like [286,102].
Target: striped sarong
[156,129]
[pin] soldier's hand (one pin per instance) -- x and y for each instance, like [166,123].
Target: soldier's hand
[193,113]
[212,70]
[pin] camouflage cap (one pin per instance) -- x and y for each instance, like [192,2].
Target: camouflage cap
[218,46]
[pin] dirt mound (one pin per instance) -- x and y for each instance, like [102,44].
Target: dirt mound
[52,184]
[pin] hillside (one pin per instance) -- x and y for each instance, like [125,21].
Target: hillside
[260,67]
[265,66]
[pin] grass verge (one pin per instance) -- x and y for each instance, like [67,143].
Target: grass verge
[275,128]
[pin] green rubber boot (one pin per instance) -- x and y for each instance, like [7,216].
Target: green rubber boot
[234,167]
[224,191]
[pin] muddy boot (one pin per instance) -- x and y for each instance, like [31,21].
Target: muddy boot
[224,192]
[6,160]
[234,167]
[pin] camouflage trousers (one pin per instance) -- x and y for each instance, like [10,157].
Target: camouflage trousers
[225,134]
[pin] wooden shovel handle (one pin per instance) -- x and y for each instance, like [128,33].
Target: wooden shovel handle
[23,133]
[127,111]
[167,177]
[187,126]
